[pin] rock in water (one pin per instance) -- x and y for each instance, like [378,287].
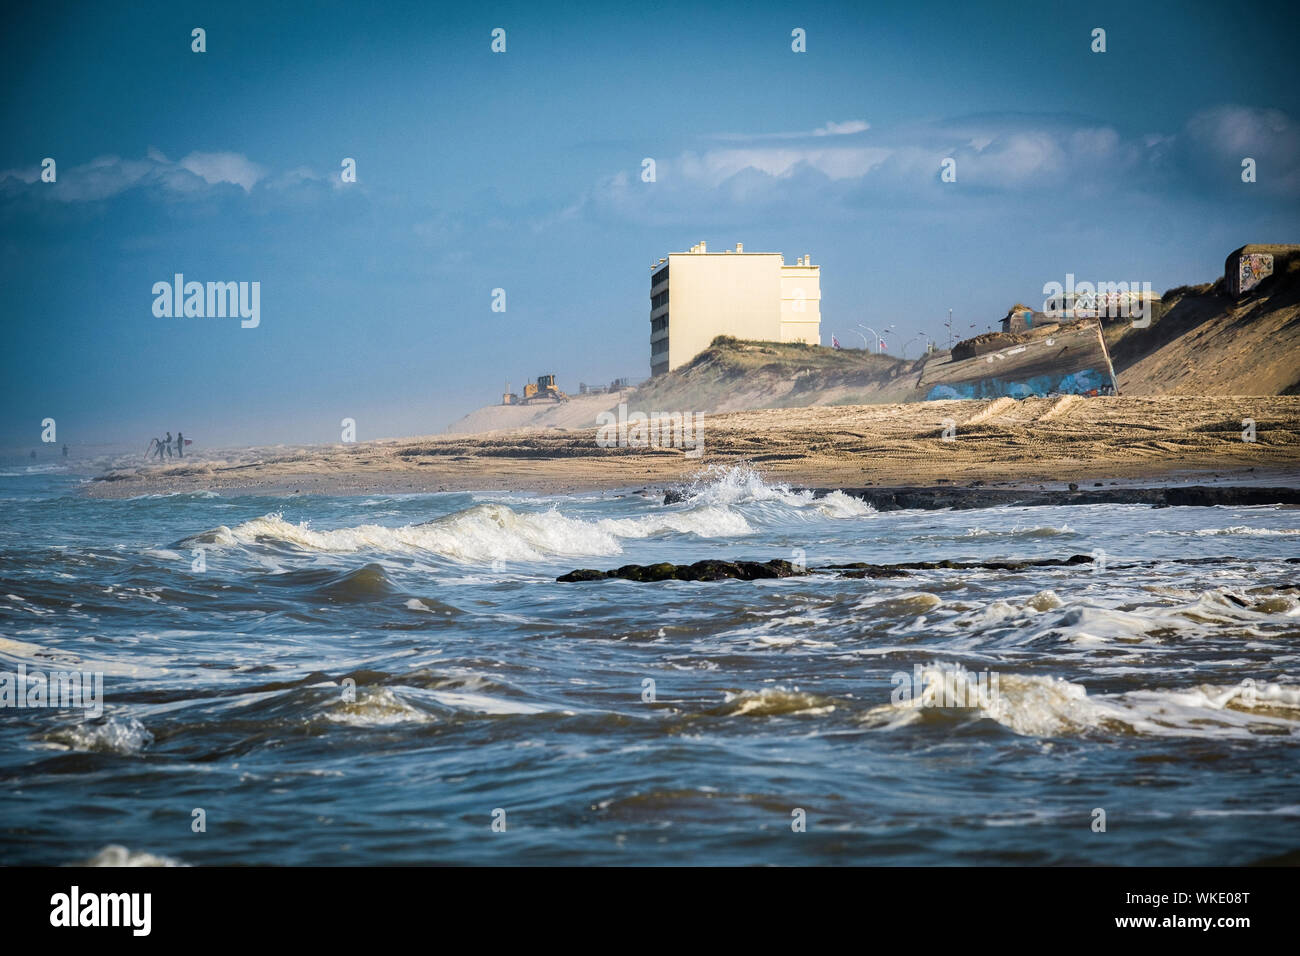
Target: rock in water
[699,571]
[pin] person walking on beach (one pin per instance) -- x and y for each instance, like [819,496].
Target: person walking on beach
[167,445]
[180,445]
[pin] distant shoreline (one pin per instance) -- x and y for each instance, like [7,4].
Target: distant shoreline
[1002,443]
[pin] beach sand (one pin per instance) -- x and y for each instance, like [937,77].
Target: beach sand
[999,442]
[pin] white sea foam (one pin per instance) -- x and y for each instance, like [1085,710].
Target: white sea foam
[740,484]
[492,531]
[114,735]
[1236,529]
[200,494]
[1039,706]
[707,522]
[737,485]
[1087,621]
[839,505]
[775,702]
[117,855]
[376,708]
[488,532]
[34,470]
[1037,531]
[483,703]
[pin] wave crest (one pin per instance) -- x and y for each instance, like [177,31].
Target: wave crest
[113,735]
[1038,706]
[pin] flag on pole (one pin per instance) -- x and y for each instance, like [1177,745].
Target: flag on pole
[835,343]
[882,346]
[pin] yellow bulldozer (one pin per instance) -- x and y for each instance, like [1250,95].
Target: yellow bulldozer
[543,390]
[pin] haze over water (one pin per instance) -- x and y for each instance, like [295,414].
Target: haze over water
[1162,690]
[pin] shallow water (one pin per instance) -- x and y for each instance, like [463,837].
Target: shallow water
[1165,692]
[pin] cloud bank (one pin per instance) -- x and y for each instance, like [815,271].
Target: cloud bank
[1004,156]
[196,174]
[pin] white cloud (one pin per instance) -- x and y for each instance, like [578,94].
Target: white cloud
[843,129]
[716,166]
[215,168]
[29,175]
[1004,155]
[847,128]
[1215,142]
[107,176]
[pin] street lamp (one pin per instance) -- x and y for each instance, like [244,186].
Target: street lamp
[903,350]
[876,334]
[934,344]
[864,339]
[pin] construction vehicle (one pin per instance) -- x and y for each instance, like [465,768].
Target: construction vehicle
[544,390]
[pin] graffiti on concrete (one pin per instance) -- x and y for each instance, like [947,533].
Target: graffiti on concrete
[1051,360]
[1084,382]
[1252,269]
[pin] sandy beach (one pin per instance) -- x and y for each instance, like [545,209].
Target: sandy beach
[1040,440]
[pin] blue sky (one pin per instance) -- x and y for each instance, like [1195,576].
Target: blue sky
[522,171]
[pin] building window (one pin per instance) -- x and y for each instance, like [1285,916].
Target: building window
[659,324]
[658,348]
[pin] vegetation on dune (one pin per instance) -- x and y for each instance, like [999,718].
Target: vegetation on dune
[737,373]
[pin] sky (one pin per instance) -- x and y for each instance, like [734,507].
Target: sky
[522,171]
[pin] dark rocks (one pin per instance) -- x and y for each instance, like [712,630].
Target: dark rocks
[976,496]
[933,498]
[862,570]
[699,571]
[868,571]
[583,574]
[755,570]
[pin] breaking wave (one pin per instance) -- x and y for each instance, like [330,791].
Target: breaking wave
[112,735]
[377,708]
[494,531]
[481,533]
[1037,531]
[1045,618]
[1038,706]
[775,701]
[728,486]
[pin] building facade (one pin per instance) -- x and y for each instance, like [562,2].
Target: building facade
[698,295]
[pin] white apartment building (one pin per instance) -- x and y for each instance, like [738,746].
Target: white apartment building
[698,295]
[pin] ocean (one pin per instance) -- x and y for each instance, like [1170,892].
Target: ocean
[400,679]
